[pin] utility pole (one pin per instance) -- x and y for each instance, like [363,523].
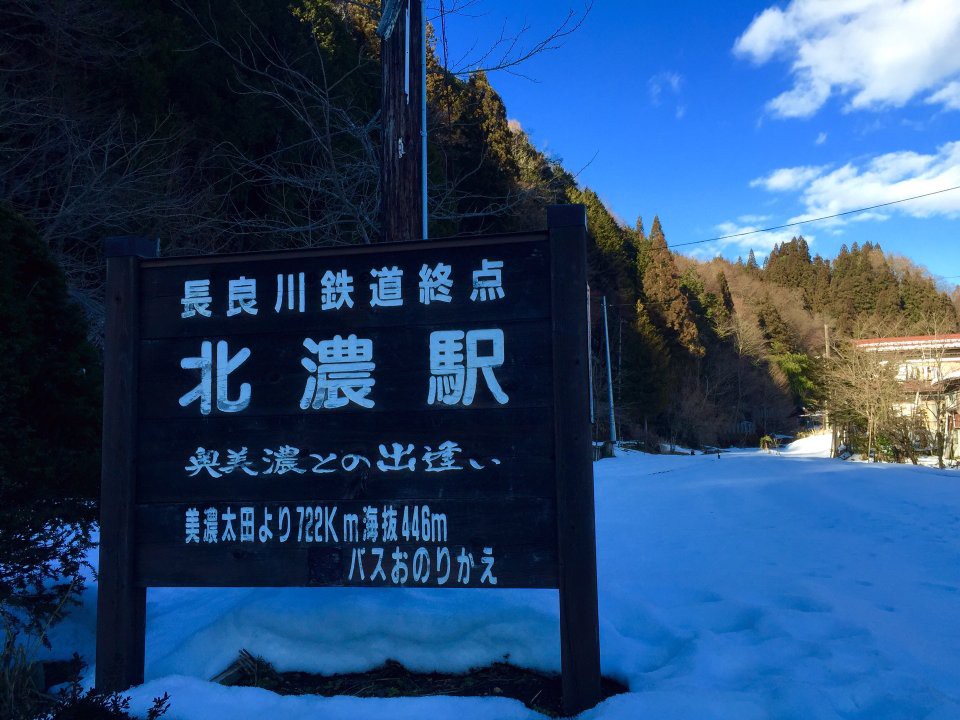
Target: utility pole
[593,419]
[403,111]
[606,332]
[620,361]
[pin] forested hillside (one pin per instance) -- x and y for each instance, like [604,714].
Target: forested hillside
[233,125]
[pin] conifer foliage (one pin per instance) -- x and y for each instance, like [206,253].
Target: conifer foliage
[49,431]
[661,291]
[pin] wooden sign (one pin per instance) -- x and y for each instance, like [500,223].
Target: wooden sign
[396,415]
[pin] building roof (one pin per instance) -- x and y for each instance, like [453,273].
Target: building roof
[911,342]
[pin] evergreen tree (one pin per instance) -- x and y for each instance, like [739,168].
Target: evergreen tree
[647,374]
[885,288]
[725,297]
[789,264]
[641,235]
[642,244]
[817,293]
[922,303]
[49,429]
[779,336]
[661,288]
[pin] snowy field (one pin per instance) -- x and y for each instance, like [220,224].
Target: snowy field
[750,586]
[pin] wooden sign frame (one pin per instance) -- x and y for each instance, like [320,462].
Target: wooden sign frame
[123,574]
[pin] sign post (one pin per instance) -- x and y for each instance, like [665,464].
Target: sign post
[576,532]
[121,602]
[403,415]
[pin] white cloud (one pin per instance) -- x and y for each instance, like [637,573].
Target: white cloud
[761,243]
[788,178]
[753,219]
[881,179]
[664,83]
[665,80]
[948,96]
[827,191]
[821,139]
[875,53]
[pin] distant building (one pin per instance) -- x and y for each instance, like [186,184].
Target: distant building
[929,368]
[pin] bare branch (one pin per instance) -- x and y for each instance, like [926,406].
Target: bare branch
[510,49]
[322,189]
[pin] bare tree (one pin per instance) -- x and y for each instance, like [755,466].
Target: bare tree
[694,414]
[324,189]
[453,201]
[79,167]
[749,344]
[75,169]
[323,186]
[507,51]
[905,432]
[863,389]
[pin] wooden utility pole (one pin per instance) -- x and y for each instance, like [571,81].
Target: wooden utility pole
[402,172]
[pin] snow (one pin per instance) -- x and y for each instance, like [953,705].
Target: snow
[208,701]
[754,585]
[812,446]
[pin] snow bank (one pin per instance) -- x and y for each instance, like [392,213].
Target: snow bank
[816,446]
[751,586]
[194,699]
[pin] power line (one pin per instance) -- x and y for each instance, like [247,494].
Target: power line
[816,219]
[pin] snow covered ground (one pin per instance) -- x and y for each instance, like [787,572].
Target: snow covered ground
[755,585]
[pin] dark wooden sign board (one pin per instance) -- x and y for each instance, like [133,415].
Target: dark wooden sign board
[397,415]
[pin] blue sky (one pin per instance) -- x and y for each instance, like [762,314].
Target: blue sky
[725,117]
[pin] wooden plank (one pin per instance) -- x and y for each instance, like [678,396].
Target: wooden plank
[520,536]
[257,256]
[579,615]
[401,372]
[164,566]
[163,291]
[164,277]
[529,521]
[121,603]
[511,453]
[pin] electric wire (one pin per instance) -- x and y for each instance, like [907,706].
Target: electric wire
[816,219]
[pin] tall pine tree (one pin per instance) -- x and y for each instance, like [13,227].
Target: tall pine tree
[667,304]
